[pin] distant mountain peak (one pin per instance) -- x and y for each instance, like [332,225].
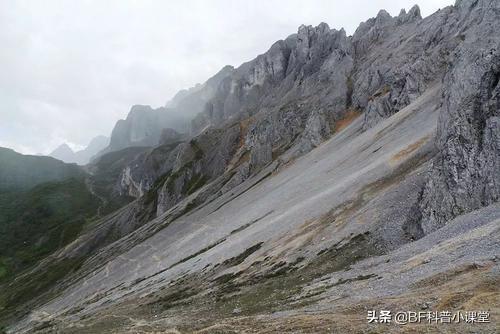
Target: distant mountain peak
[62,152]
[65,153]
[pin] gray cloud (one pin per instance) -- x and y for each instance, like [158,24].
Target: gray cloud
[70,69]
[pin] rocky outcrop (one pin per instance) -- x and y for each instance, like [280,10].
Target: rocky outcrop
[286,135]
[329,71]
[171,171]
[140,174]
[144,125]
[198,161]
[397,58]
[289,99]
[466,173]
[274,95]
[311,65]
[316,131]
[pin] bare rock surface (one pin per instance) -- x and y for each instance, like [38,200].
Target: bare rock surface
[319,189]
[283,206]
[466,174]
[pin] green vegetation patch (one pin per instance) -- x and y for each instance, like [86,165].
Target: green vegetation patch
[197,150]
[23,172]
[37,222]
[152,195]
[30,286]
[277,288]
[234,261]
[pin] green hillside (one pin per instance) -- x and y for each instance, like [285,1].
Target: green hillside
[36,222]
[18,171]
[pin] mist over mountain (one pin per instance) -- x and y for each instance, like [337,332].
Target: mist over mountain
[143,125]
[81,157]
[21,172]
[329,176]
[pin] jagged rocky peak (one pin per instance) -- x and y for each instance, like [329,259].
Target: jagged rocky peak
[144,124]
[370,31]
[398,60]
[306,35]
[317,53]
[142,127]
[81,157]
[313,44]
[224,72]
[413,14]
[137,110]
[289,99]
[383,17]
[277,76]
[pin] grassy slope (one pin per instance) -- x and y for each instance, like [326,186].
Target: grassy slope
[19,171]
[33,224]
[38,218]
[36,222]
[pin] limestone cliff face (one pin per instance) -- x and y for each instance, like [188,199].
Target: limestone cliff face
[274,96]
[321,74]
[398,58]
[176,169]
[312,64]
[142,127]
[290,99]
[139,176]
[145,125]
[199,161]
[466,173]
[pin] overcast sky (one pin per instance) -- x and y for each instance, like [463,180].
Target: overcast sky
[70,69]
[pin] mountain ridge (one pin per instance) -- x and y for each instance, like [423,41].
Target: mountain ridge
[81,157]
[21,172]
[328,166]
